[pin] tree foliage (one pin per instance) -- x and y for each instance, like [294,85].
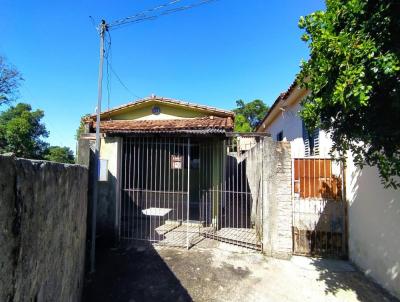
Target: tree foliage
[241,124]
[22,132]
[249,115]
[81,128]
[354,77]
[60,155]
[10,80]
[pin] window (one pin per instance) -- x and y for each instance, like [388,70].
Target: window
[279,136]
[311,141]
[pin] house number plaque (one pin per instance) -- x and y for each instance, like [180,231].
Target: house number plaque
[176,162]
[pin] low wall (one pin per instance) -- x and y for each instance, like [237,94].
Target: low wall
[374,227]
[43,209]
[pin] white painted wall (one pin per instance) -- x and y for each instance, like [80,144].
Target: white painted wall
[290,123]
[374,227]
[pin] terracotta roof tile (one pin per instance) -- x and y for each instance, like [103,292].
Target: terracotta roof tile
[205,124]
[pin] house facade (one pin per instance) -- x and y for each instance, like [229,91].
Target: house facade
[372,212]
[284,124]
[175,172]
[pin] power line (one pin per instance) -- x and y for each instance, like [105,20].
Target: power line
[141,14]
[140,17]
[109,68]
[108,57]
[122,83]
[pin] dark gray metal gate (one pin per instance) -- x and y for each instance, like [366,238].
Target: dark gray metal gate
[230,190]
[155,188]
[177,191]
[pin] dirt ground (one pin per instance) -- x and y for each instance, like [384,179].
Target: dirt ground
[213,271]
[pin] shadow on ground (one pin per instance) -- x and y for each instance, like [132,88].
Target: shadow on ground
[342,276]
[133,274]
[215,271]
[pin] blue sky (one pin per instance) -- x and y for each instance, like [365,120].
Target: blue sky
[213,54]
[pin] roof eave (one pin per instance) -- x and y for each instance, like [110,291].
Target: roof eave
[283,97]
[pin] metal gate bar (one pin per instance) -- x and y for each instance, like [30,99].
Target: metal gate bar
[226,201]
[153,190]
[159,204]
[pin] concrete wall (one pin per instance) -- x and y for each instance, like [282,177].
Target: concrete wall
[42,230]
[277,199]
[374,227]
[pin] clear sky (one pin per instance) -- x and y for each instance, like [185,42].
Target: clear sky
[213,54]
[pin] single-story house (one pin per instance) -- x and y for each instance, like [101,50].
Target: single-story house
[371,211]
[174,168]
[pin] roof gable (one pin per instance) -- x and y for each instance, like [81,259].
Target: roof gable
[169,109]
[294,94]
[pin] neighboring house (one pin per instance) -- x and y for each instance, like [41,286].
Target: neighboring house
[284,124]
[373,212]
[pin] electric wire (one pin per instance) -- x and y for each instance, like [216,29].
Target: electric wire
[108,57]
[122,83]
[136,18]
[140,17]
[110,70]
[141,14]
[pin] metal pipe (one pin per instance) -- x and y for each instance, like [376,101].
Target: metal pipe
[188,193]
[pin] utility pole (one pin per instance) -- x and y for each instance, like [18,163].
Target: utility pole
[102,30]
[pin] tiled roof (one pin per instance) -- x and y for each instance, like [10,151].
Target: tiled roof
[209,124]
[213,110]
[283,96]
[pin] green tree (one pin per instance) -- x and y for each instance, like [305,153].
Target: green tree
[60,155]
[22,132]
[10,80]
[81,128]
[241,124]
[249,115]
[353,74]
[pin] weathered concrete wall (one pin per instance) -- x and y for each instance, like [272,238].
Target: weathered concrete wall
[42,230]
[277,199]
[8,228]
